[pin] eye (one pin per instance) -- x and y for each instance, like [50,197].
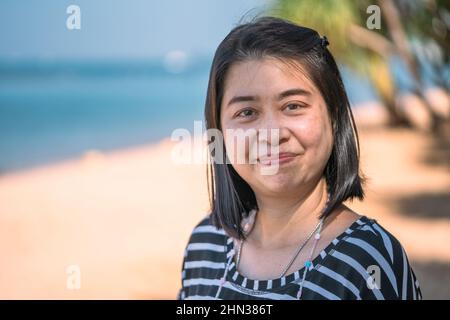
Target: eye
[294,106]
[246,113]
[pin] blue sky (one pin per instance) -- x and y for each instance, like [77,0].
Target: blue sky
[115,29]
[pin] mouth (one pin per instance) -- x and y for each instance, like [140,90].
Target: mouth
[280,158]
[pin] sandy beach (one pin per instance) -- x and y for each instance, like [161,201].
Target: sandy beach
[123,218]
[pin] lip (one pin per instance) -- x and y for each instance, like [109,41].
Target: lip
[281,158]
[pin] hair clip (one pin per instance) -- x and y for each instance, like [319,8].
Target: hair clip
[324,42]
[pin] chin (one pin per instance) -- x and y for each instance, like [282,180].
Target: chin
[278,183]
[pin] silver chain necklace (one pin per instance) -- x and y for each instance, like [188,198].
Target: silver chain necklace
[319,226]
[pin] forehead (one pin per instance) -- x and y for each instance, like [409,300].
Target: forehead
[266,76]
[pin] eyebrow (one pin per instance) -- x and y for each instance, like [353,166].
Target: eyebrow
[282,95]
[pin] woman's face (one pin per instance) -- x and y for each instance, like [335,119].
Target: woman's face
[266,97]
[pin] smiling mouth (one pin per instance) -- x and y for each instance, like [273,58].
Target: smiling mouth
[279,159]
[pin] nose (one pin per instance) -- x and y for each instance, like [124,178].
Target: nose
[272,129]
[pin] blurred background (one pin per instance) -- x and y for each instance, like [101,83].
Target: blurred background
[92,205]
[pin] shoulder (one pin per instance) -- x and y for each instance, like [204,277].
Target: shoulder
[372,238]
[203,255]
[206,249]
[366,233]
[206,237]
[205,229]
[379,258]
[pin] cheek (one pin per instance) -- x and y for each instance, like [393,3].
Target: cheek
[237,151]
[314,135]
[238,144]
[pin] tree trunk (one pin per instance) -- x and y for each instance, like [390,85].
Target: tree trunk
[401,43]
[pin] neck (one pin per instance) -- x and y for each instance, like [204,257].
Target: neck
[280,220]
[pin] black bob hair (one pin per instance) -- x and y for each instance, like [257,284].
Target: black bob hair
[230,196]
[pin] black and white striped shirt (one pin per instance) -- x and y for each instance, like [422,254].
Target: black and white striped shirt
[340,271]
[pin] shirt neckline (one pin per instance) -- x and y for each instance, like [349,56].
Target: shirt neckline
[235,277]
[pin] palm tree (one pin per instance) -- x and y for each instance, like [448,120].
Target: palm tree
[429,22]
[363,50]
[402,45]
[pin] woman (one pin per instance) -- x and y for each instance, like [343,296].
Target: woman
[285,233]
